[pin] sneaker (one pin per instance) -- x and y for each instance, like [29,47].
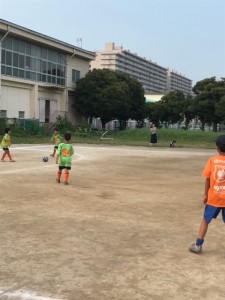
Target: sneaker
[57,180]
[66,182]
[12,160]
[196,249]
[52,155]
[2,160]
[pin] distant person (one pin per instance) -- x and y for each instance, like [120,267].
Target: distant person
[6,143]
[153,137]
[57,139]
[63,158]
[214,196]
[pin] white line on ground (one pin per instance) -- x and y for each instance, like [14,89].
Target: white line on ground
[46,165]
[24,295]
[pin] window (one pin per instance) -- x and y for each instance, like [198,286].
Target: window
[19,58]
[8,43]
[22,46]
[21,114]
[8,58]
[21,61]
[15,59]
[75,75]
[3,113]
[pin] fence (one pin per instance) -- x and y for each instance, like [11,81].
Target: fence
[29,126]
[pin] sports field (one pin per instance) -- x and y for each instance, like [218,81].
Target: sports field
[119,231]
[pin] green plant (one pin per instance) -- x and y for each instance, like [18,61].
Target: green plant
[63,124]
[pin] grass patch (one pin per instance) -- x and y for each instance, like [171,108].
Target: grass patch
[134,137]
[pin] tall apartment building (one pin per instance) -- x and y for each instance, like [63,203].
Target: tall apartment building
[38,74]
[154,78]
[176,81]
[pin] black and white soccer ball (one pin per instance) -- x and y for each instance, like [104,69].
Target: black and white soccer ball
[45,159]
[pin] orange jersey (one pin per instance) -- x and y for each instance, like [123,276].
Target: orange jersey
[215,171]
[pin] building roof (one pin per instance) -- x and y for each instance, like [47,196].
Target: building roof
[33,36]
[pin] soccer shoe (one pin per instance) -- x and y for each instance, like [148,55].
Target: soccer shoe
[52,155]
[12,160]
[2,160]
[57,180]
[195,249]
[66,182]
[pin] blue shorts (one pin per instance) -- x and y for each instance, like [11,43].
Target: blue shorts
[212,212]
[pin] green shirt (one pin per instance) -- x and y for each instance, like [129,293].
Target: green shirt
[57,139]
[65,152]
[6,141]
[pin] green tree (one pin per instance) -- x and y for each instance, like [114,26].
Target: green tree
[108,94]
[153,112]
[172,107]
[209,101]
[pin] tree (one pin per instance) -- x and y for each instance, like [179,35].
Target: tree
[188,110]
[109,95]
[209,100]
[173,107]
[153,112]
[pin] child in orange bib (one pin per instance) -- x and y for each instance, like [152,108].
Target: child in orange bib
[214,196]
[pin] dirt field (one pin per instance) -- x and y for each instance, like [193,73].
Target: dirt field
[120,230]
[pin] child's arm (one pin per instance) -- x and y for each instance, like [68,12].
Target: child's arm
[57,158]
[207,186]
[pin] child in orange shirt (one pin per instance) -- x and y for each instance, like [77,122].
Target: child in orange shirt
[214,196]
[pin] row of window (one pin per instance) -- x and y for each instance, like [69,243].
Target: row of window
[3,114]
[31,49]
[27,60]
[32,64]
[34,76]
[26,74]
[18,65]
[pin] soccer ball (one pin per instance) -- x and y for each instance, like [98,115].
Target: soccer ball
[45,159]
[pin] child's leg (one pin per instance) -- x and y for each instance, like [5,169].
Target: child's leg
[202,232]
[9,155]
[59,175]
[197,246]
[66,176]
[53,154]
[3,155]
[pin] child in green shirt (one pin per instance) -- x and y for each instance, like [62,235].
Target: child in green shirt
[6,143]
[57,139]
[64,158]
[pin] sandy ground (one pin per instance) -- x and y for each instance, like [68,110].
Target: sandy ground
[120,230]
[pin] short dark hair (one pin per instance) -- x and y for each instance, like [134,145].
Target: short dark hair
[55,129]
[67,136]
[220,142]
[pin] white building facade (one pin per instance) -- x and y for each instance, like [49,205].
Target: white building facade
[154,78]
[38,74]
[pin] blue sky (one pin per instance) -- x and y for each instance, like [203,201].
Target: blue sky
[186,35]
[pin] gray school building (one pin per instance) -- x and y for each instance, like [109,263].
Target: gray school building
[38,74]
